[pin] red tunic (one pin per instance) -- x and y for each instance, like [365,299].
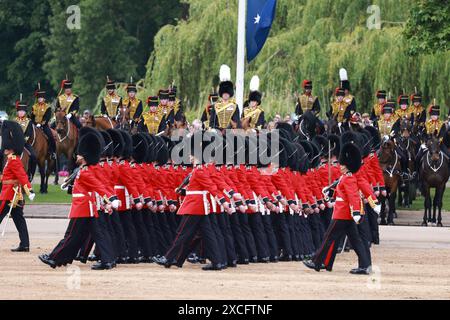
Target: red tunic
[348,199]
[13,175]
[83,194]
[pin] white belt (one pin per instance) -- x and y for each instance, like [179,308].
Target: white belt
[78,195]
[339,199]
[205,199]
[119,187]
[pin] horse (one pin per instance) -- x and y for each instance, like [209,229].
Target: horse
[39,142]
[100,122]
[408,146]
[433,173]
[390,164]
[66,137]
[308,126]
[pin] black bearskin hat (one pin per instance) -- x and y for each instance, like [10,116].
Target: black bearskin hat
[12,137]
[376,139]
[255,96]
[316,159]
[162,151]
[284,153]
[118,142]
[350,136]
[127,144]
[108,150]
[226,87]
[350,157]
[90,148]
[302,159]
[140,148]
[308,149]
[89,130]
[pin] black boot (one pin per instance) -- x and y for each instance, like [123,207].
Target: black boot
[21,249]
[46,259]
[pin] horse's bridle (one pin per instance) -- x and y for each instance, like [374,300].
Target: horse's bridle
[441,157]
[67,134]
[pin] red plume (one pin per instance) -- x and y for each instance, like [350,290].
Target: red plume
[17,104]
[63,83]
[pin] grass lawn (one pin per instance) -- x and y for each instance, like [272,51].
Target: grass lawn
[418,204]
[54,195]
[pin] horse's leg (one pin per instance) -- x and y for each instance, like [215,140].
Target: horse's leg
[42,173]
[391,211]
[383,210]
[438,198]
[426,204]
[56,170]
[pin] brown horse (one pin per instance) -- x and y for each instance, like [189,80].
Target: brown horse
[39,142]
[433,173]
[100,123]
[66,137]
[390,164]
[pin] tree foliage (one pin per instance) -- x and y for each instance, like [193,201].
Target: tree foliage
[428,27]
[310,39]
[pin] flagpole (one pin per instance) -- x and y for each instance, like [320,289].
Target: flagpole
[240,65]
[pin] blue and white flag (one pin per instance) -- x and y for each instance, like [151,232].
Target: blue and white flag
[260,15]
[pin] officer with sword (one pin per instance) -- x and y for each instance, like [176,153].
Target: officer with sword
[14,183]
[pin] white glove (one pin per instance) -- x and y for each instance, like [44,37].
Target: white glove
[384,193]
[69,115]
[31,196]
[38,125]
[321,206]
[115,204]
[377,209]
[356,217]
[423,146]
[377,194]
[139,206]
[105,116]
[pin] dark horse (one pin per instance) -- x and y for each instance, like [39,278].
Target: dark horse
[390,164]
[433,173]
[408,147]
[46,164]
[66,137]
[308,126]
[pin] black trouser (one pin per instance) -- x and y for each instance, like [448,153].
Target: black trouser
[19,221]
[187,234]
[119,235]
[314,223]
[142,234]
[290,220]
[365,234]
[309,242]
[162,244]
[282,231]
[271,238]
[299,234]
[51,140]
[325,217]
[130,233]
[248,235]
[224,225]
[372,218]
[165,227]
[150,227]
[327,251]
[222,253]
[173,224]
[74,119]
[240,245]
[257,227]
[76,234]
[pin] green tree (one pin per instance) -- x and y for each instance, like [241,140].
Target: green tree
[23,26]
[428,27]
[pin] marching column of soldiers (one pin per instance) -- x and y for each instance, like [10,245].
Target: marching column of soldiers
[135,202]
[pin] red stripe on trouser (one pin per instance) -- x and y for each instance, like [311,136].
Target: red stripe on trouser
[327,235]
[178,236]
[65,242]
[330,252]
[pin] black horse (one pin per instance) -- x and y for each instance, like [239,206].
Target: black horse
[433,173]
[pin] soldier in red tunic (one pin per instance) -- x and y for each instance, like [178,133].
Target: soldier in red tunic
[83,210]
[346,216]
[14,179]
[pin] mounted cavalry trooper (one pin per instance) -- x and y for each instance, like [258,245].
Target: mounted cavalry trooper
[225,114]
[417,110]
[340,109]
[164,108]
[307,101]
[349,99]
[174,103]
[404,111]
[132,103]
[153,121]
[27,129]
[434,127]
[40,116]
[112,101]
[388,124]
[14,180]
[206,115]
[69,103]
[378,107]
[253,113]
